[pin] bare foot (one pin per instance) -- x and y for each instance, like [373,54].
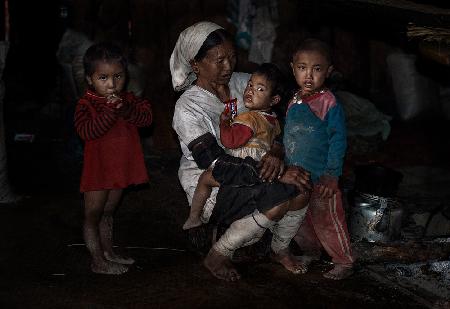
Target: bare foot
[339,272]
[108,268]
[220,266]
[306,260]
[113,257]
[291,263]
[192,222]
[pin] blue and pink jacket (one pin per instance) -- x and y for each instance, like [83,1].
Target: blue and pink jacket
[315,135]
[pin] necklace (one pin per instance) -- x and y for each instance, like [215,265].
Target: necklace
[298,97]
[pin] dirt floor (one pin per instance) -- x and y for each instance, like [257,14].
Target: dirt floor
[44,264]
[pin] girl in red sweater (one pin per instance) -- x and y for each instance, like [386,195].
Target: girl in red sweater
[107,119]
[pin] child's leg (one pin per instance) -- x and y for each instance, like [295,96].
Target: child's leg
[329,223]
[106,228]
[307,240]
[94,204]
[203,190]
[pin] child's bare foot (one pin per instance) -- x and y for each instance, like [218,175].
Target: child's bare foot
[108,268]
[192,222]
[291,263]
[220,266]
[339,272]
[118,258]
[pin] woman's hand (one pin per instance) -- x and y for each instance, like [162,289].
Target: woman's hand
[297,176]
[328,185]
[272,164]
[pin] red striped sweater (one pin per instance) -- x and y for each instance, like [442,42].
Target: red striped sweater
[94,117]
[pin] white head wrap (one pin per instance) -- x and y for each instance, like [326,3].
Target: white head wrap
[186,48]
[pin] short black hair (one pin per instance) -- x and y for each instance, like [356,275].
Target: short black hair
[214,39]
[274,75]
[316,45]
[105,51]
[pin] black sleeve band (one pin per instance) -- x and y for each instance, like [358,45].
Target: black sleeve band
[205,150]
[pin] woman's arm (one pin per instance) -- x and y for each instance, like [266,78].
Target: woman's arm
[195,134]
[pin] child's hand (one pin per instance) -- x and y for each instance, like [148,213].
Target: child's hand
[123,109]
[225,117]
[328,186]
[114,100]
[297,176]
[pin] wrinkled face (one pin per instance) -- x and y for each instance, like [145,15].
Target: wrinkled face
[108,78]
[310,70]
[258,93]
[218,64]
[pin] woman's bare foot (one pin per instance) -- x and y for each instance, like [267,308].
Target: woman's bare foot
[339,272]
[108,268]
[192,222]
[113,257]
[220,266]
[291,263]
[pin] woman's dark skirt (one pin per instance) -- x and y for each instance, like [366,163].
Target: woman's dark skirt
[241,190]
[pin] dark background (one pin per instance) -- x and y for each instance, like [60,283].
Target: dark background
[43,263]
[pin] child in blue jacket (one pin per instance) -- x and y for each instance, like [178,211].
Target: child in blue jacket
[315,139]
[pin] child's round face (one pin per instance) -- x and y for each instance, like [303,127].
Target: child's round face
[258,93]
[108,78]
[310,70]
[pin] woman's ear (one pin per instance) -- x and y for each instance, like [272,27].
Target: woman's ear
[194,66]
[330,69]
[275,100]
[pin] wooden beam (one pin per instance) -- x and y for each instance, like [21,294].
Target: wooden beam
[385,11]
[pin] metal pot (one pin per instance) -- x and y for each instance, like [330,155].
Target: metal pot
[375,218]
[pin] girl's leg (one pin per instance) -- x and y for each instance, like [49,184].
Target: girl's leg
[94,204]
[203,190]
[106,228]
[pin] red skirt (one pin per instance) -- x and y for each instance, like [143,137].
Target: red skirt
[114,161]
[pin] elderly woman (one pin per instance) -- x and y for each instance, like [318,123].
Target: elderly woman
[202,65]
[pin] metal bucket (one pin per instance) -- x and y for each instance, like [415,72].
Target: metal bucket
[375,219]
